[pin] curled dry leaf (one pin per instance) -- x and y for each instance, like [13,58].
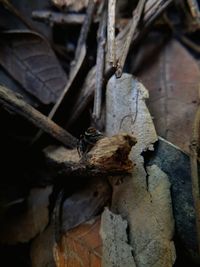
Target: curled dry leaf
[29,59]
[80,246]
[27,224]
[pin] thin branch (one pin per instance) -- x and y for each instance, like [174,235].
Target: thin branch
[100,62]
[135,21]
[16,104]
[79,55]
[51,17]
[85,28]
[87,92]
[111,32]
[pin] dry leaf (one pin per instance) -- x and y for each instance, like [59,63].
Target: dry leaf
[80,247]
[33,220]
[136,199]
[116,250]
[42,248]
[29,59]
[172,78]
[86,203]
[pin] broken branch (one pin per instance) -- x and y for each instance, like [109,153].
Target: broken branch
[16,104]
[51,17]
[109,156]
[111,32]
[137,14]
[100,62]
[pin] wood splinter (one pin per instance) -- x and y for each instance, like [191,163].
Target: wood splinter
[109,156]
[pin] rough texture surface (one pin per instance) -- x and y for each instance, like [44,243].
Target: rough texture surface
[139,198]
[116,250]
[109,156]
[112,152]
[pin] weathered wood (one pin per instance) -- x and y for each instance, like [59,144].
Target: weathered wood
[111,54]
[58,18]
[108,157]
[137,14]
[15,103]
[100,63]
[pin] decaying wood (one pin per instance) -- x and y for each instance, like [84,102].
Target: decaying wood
[16,104]
[194,157]
[109,156]
[86,94]
[111,53]
[144,198]
[100,62]
[57,18]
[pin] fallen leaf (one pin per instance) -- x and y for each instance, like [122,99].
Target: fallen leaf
[31,221]
[116,250]
[143,199]
[80,246]
[41,252]
[172,77]
[29,59]
[86,203]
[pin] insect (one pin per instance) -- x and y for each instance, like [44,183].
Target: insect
[88,140]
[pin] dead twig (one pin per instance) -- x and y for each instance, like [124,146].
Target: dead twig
[111,54]
[87,92]
[137,14]
[78,60]
[79,55]
[100,62]
[51,17]
[16,104]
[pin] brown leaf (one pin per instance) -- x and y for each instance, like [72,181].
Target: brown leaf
[41,252]
[26,225]
[80,246]
[172,77]
[29,59]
